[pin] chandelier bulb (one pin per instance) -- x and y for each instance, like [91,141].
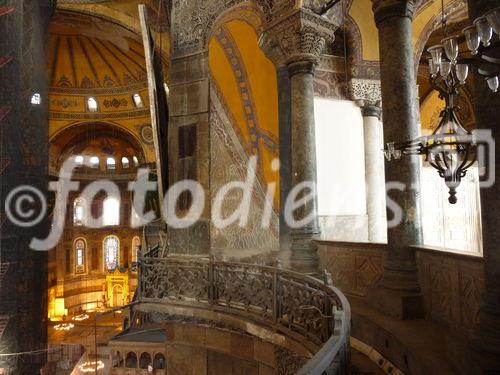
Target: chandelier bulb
[493,83]
[484,30]
[493,18]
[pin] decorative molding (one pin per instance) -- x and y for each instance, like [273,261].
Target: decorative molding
[98,116]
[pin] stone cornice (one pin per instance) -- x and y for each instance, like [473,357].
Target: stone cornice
[300,35]
[384,10]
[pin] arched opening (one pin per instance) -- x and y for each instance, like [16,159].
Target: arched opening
[144,360]
[131,360]
[118,297]
[159,362]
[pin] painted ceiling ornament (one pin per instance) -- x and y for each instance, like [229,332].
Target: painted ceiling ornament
[146,132]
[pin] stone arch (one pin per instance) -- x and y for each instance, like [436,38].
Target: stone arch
[456,9]
[245,11]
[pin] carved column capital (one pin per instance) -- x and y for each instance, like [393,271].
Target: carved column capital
[366,90]
[298,36]
[369,109]
[384,10]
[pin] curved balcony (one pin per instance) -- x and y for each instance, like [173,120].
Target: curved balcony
[294,305]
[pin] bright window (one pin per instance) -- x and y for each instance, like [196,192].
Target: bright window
[125,162]
[340,169]
[136,161]
[36,99]
[80,255]
[79,160]
[92,104]
[138,101]
[111,163]
[94,162]
[79,211]
[111,211]
[136,245]
[111,252]
[452,227]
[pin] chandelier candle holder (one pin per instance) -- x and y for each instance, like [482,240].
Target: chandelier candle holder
[91,366]
[452,149]
[80,318]
[64,326]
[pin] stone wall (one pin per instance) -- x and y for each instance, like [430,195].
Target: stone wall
[452,284]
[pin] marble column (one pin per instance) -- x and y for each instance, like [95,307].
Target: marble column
[398,292]
[304,250]
[295,41]
[487,112]
[374,171]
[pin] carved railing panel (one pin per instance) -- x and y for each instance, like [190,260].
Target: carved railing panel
[289,301]
[244,287]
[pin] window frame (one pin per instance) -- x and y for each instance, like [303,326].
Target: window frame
[80,268]
[105,258]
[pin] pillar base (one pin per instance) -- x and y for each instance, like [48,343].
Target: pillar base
[398,293]
[304,256]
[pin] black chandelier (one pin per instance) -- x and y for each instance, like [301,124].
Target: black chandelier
[452,149]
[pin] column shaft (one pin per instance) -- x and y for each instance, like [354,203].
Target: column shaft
[304,251]
[374,174]
[398,291]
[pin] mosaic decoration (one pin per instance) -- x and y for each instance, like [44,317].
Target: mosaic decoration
[146,132]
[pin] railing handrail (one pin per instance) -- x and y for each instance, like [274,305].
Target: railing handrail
[277,303]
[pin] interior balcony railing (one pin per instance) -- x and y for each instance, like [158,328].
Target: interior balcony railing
[296,305]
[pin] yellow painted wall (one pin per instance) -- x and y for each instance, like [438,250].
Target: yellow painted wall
[262,81]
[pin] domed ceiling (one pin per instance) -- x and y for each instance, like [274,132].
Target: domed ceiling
[89,53]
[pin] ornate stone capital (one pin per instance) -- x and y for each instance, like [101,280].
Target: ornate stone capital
[297,36]
[384,10]
[366,91]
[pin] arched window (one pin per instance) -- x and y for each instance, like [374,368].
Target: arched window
[159,361]
[111,246]
[79,160]
[144,360]
[111,163]
[136,161]
[111,211]
[94,162]
[138,101]
[80,255]
[131,360]
[92,104]
[79,211]
[125,163]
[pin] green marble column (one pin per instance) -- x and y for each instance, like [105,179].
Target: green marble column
[304,250]
[398,292]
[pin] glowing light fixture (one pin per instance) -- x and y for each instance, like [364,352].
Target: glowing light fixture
[64,326]
[91,366]
[80,318]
